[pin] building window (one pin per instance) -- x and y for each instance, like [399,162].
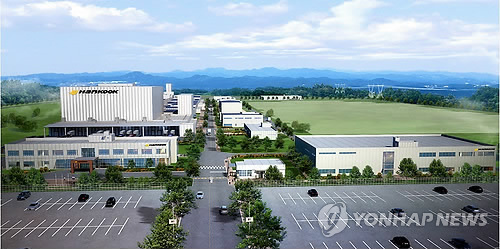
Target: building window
[327,171]
[88,152]
[466,153]
[387,160]
[228,125]
[446,154]
[347,153]
[29,164]
[104,163]
[28,152]
[103,152]
[139,162]
[43,152]
[63,163]
[147,151]
[117,151]
[244,172]
[161,151]
[58,153]
[248,118]
[42,164]
[328,153]
[14,164]
[227,118]
[71,152]
[423,169]
[346,171]
[489,153]
[427,154]
[132,151]
[13,153]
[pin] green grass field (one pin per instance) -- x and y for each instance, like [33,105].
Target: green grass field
[50,112]
[367,117]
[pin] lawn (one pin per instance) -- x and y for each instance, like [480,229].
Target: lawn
[240,138]
[50,112]
[368,117]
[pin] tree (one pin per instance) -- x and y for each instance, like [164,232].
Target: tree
[178,198]
[191,167]
[193,151]
[305,163]
[164,235]
[355,172]
[149,163]
[277,122]
[388,175]
[314,174]
[200,137]
[94,177]
[131,164]
[231,143]
[245,144]
[205,123]
[270,113]
[407,167]
[255,142]
[267,143]
[113,174]
[368,172]
[221,138]
[280,142]
[273,173]
[27,126]
[36,112]
[188,135]
[34,177]
[476,171]
[436,168]
[466,170]
[17,176]
[161,172]
[83,178]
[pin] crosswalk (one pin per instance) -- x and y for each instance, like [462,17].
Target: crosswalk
[212,167]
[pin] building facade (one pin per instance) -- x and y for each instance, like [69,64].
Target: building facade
[261,130]
[281,97]
[256,168]
[337,154]
[230,106]
[240,119]
[185,104]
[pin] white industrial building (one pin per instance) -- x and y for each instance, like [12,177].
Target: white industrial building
[219,98]
[337,154]
[185,103]
[256,168]
[281,97]
[240,119]
[230,106]
[261,130]
[168,94]
[104,148]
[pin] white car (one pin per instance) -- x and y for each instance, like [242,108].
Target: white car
[33,206]
[199,195]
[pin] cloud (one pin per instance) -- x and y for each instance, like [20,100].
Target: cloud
[419,2]
[248,9]
[68,14]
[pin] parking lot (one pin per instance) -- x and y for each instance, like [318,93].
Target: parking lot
[430,219]
[61,221]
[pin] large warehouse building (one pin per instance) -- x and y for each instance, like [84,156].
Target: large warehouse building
[337,154]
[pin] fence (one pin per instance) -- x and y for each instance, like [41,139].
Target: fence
[375,181]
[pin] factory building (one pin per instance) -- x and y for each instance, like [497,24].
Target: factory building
[261,130]
[337,154]
[281,97]
[185,104]
[240,119]
[230,106]
[256,168]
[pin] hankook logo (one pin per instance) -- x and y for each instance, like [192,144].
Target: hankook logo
[75,92]
[148,145]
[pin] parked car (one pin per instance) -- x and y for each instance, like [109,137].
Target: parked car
[397,211]
[223,210]
[200,195]
[440,190]
[83,198]
[459,243]
[401,242]
[110,202]
[312,192]
[23,195]
[34,206]
[475,189]
[471,209]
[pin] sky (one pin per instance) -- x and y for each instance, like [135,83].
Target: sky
[164,35]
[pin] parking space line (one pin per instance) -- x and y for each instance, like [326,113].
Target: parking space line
[425,196]
[381,246]
[496,241]
[118,201]
[73,205]
[98,226]
[313,200]
[47,228]
[85,227]
[492,194]
[11,228]
[60,228]
[319,221]
[34,228]
[334,201]
[357,222]
[420,244]
[127,202]
[385,217]
[452,193]
[328,217]
[366,245]
[123,226]
[434,244]
[368,196]
[311,245]
[282,198]
[76,224]
[444,241]
[307,220]
[296,221]
[451,216]
[21,229]
[496,212]
[393,244]
[302,198]
[350,197]
[435,196]
[412,195]
[367,222]
[43,204]
[322,199]
[485,242]
[96,203]
[65,203]
[85,203]
[5,223]
[472,195]
[6,202]
[339,245]
[359,197]
[377,196]
[340,197]
[325,245]
[109,228]
[405,196]
[353,245]
[54,204]
[138,201]
[292,198]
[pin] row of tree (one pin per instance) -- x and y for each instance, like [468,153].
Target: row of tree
[266,230]
[20,121]
[15,92]
[248,144]
[16,176]
[436,169]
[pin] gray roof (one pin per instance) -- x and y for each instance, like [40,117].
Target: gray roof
[270,161]
[257,127]
[119,124]
[335,141]
[81,140]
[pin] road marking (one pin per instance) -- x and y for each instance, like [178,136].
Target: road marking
[393,244]
[65,203]
[127,202]
[325,245]
[47,228]
[73,205]
[334,223]
[339,197]
[302,198]
[98,226]
[352,245]
[369,197]
[447,243]
[366,245]
[54,204]
[496,241]
[109,228]
[494,210]
[334,201]
[34,228]
[350,197]
[85,227]
[10,228]
[307,220]
[322,198]
[412,195]
[282,198]
[319,220]
[5,223]
[6,202]
[85,203]
[425,196]
[311,245]
[387,218]
[380,244]
[123,226]
[420,244]
[60,228]
[357,222]
[339,245]
[359,197]
[73,227]
[313,200]
[366,221]
[485,242]
[96,203]
[405,196]
[21,229]
[296,221]
[292,198]
[377,196]
[116,204]
[43,204]
[462,195]
[434,243]
[138,201]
